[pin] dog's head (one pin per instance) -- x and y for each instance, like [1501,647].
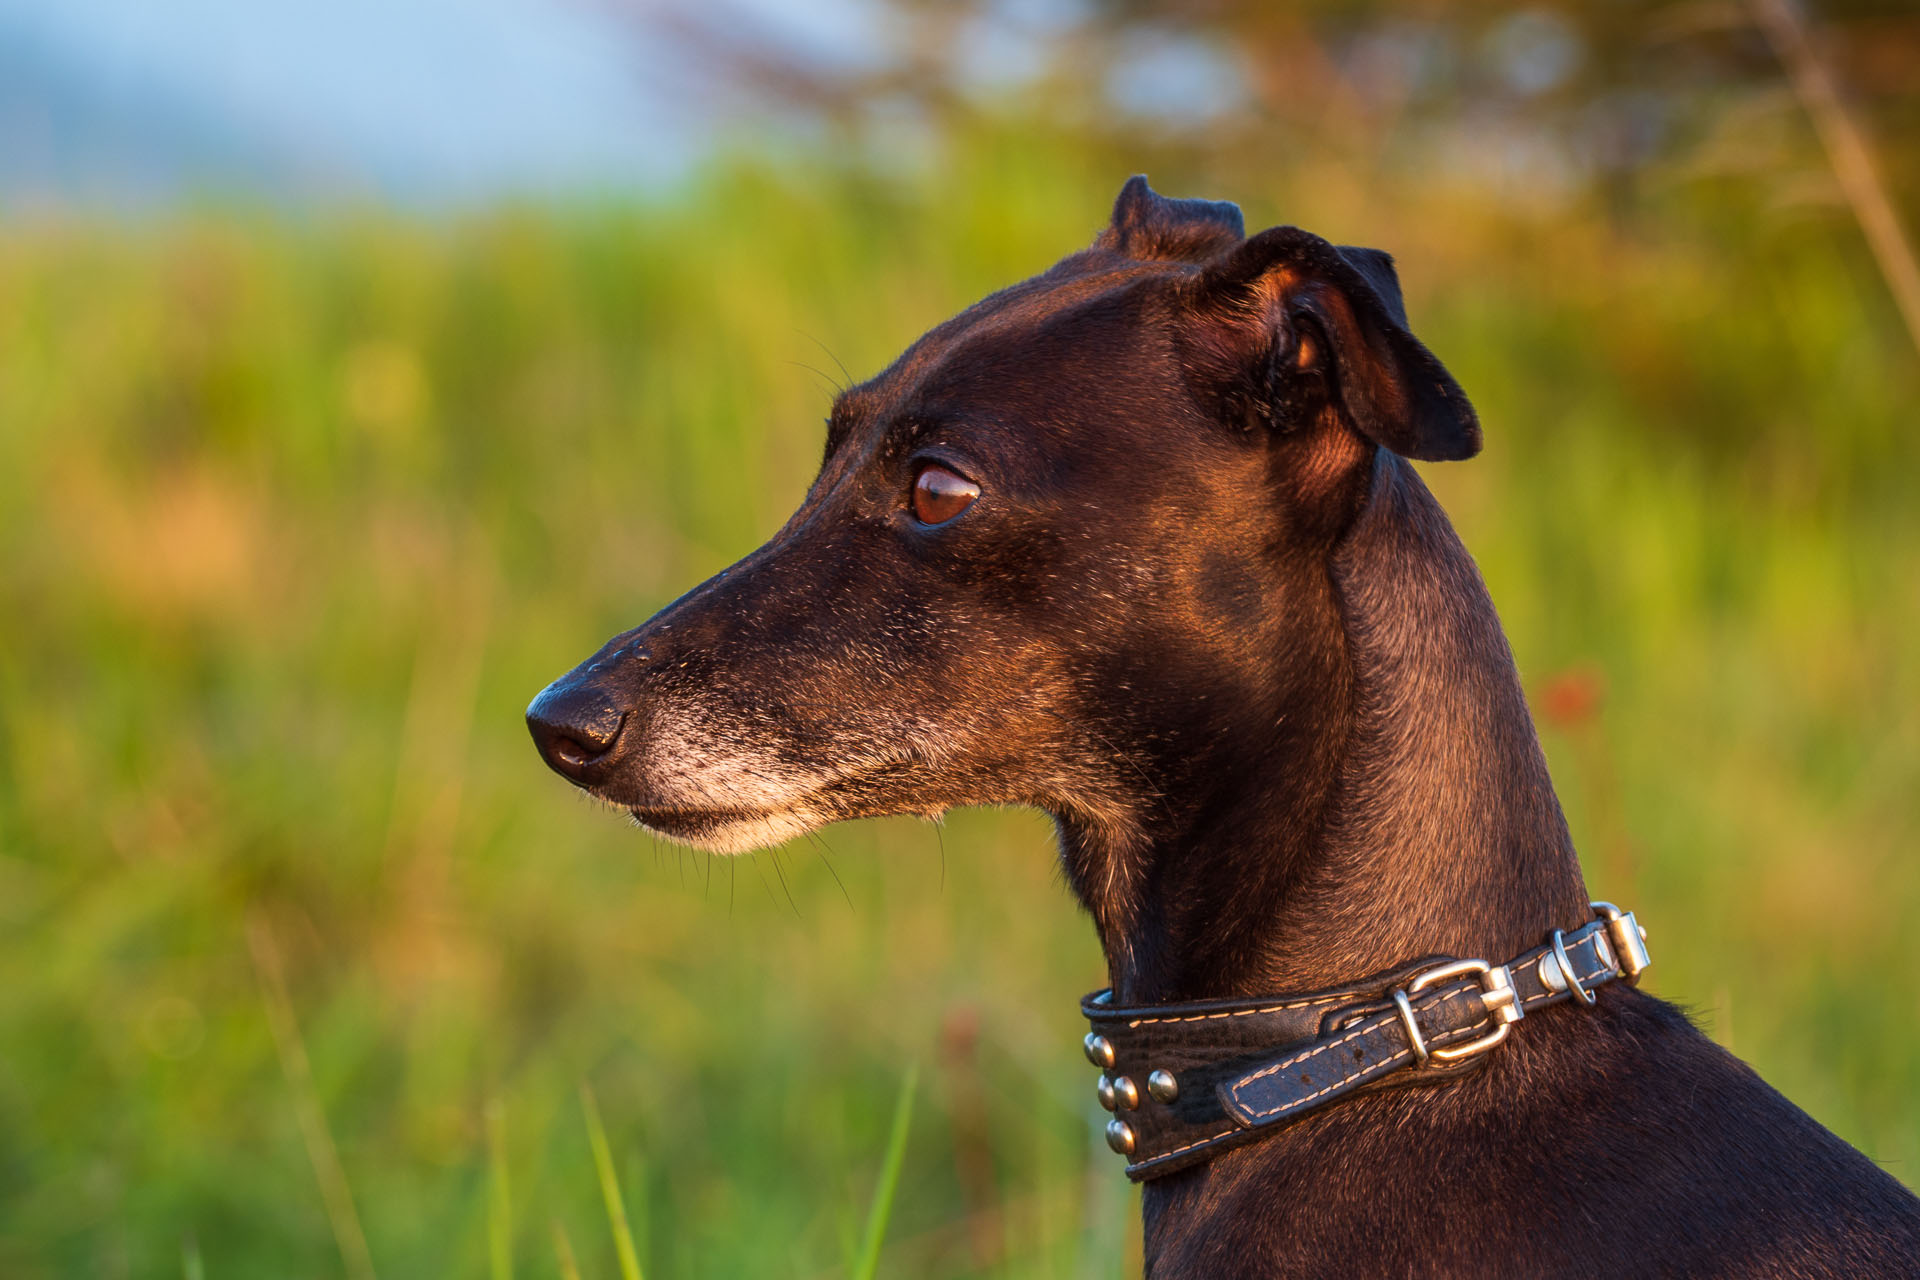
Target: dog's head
[1064,543]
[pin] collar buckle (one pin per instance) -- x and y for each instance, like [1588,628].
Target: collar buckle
[1496,993]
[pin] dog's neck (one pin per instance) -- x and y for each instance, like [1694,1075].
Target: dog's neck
[1398,806]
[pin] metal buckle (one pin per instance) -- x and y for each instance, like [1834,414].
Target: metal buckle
[1496,994]
[1628,938]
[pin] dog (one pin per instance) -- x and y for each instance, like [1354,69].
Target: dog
[1136,542]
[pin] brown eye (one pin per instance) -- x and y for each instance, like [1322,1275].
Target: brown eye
[939,494]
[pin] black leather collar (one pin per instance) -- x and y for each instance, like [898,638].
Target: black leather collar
[1188,1081]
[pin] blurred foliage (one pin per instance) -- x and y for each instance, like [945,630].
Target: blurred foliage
[1549,101]
[294,520]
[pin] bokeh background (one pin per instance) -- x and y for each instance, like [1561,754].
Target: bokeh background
[364,364]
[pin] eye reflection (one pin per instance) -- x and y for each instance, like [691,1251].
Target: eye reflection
[939,494]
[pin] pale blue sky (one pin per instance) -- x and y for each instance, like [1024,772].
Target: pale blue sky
[450,98]
[131,103]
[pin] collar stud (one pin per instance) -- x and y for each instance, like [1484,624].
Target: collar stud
[1099,1049]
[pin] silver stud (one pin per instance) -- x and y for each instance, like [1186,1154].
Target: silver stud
[1125,1096]
[1550,976]
[1120,1136]
[1104,1092]
[1163,1086]
[1099,1050]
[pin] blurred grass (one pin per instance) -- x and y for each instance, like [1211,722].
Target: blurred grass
[610,1188]
[295,518]
[866,1263]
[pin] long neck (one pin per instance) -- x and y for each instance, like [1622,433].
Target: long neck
[1413,815]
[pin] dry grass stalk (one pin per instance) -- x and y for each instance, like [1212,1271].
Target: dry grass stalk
[1847,151]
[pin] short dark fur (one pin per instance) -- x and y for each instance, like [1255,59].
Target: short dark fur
[1205,615]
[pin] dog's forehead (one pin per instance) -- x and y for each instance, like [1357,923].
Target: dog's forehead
[996,334]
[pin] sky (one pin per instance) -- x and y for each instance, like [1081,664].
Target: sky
[434,100]
[131,104]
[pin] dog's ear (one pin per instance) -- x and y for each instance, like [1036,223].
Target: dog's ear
[1148,225]
[1287,327]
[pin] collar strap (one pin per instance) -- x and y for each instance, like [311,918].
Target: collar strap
[1187,1081]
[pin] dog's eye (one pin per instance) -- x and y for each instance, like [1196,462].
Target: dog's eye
[939,494]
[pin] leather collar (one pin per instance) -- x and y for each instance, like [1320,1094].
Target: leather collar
[1187,1081]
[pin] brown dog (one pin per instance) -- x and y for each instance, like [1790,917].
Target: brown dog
[1134,542]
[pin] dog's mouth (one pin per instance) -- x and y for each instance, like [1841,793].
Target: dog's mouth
[736,828]
[683,821]
[728,830]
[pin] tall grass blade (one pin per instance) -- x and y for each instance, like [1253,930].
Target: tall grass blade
[610,1187]
[298,1070]
[192,1267]
[563,1251]
[882,1209]
[499,1194]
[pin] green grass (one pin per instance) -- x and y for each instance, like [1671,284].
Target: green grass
[866,1264]
[610,1188]
[295,519]
[500,1200]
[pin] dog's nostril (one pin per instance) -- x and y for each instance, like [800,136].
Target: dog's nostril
[575,726]
[573,752]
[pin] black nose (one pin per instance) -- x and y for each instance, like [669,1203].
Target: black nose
[576,728]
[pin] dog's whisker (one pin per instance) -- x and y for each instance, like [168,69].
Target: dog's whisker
[820,848]
[833,388]
[761,872]
[940,843]
[847,378]
[774,855]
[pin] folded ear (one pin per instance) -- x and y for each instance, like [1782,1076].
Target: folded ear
[1287,325]
[1147,225]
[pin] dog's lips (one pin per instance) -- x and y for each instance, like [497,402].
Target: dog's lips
[737,827]
[678,820]
[728,830]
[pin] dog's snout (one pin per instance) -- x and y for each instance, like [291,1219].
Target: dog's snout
[576,727]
